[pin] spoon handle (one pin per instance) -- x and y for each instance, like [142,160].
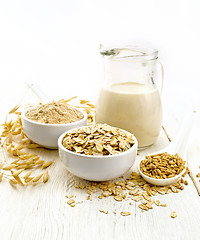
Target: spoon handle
[180,141]
[37,90]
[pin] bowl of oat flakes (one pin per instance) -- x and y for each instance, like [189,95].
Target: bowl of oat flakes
[43,124]
[97,152]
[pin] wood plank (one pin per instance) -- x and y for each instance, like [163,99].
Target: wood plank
[41,212]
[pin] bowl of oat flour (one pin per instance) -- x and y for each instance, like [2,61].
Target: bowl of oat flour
[43,124]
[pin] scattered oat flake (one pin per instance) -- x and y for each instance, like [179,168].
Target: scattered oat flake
[125,213]
[143,207]
[134,191]
[146,197]
[71,201]
[118,198]
[103,211]
[186,182]
[89,192]
[137,198]
[174,189]
[69,196]
[173,214]
[163,205]
[157,202]
[161,192]
[182,181]
[149,205]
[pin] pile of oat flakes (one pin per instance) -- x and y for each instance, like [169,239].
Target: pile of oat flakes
[98,139]
[132,189]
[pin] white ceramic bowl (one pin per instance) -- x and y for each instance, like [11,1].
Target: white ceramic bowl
[47,134]
[97,168]
[161,182]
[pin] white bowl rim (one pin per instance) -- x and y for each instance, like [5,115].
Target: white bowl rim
[23,115]
[60,145]
[161,179]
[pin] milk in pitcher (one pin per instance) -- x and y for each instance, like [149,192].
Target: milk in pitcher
[132,106]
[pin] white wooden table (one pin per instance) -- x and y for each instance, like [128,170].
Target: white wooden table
[41,212]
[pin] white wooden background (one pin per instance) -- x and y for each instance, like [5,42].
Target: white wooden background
[41,212]
[55,44]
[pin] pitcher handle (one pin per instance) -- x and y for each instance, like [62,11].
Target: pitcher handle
[162,76]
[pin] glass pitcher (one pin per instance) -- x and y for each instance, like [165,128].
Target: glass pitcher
[130,98]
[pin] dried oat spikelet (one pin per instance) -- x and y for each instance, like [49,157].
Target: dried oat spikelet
[27,175]
[8,167]
[15,161]
[37,178]
[14,109]
[31,146]
[18,180]
[39,162]
[16,173]
[68,100]
[1,176]
[28,179]
[47,164]
[16,177]
[45,177]
[13,181]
